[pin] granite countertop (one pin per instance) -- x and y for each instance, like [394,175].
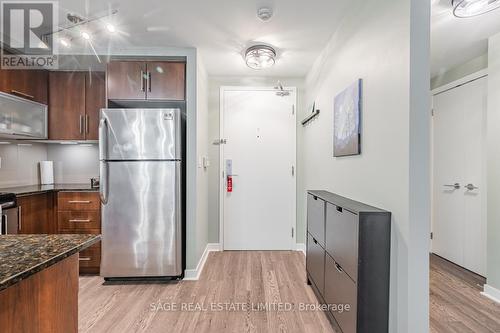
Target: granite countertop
[24,255]
[33,189]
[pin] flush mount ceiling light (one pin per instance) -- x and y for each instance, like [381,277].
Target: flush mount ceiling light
[471,8]
[260,56]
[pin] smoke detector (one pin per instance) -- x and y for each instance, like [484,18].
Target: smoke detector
[265,13]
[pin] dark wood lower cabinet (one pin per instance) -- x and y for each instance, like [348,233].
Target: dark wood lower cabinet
[36,214]
[80,213]
[45,302]
[64,212]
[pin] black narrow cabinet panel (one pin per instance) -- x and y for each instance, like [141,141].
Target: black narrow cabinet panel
[351,264]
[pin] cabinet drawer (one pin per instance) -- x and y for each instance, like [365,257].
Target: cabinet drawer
[90,257]
[78,201]
[341,290]
[342,238]
[316,218]
[79,220]
[315,262]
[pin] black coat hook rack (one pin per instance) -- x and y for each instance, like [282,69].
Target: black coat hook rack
[310,117]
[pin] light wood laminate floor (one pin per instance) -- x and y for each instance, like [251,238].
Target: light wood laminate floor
[263,277]
[276,277]
[456,304]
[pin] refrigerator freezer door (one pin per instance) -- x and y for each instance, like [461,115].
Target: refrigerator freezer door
[140,134]
[141,229]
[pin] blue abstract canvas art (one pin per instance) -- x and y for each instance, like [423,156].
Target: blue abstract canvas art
[346,121]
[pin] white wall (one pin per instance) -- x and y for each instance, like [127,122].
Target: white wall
[199,232]
[386,43]
[493,165]
[460,71]
[215,82]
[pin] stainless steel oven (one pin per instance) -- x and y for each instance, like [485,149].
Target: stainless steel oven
[9,212]
[9,221]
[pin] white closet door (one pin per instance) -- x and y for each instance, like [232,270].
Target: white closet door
[459,224]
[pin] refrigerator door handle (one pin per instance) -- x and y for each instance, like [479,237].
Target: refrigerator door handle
[103,186]
[103,140]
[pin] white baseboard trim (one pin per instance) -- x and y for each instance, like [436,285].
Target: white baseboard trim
[492,293]
[301,247]
[194,274]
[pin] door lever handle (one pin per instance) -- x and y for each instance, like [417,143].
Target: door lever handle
[471,187]
[455,186]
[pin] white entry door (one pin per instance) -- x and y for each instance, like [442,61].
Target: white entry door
[459,219]
[258,213]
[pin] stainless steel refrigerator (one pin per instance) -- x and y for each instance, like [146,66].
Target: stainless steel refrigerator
[140,186]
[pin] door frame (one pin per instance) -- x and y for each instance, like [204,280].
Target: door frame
[222,90]
[434,92]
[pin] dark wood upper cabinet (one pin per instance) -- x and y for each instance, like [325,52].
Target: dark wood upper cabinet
[166,80]
[150,80]
[67,105]
[95,100]
[26,83]
[36,214]
[75,99]
[126,80]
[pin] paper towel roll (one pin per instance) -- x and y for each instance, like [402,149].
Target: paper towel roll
[46,172]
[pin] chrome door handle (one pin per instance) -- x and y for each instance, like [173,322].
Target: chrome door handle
[471,187]
[455,186]
[79,221]
[84,259]
[103,139]
[103,188]
[79,201]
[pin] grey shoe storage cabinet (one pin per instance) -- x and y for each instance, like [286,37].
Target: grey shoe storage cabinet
[348,260]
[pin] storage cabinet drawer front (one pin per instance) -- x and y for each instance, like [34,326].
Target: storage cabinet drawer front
[90,257]
[316,218]
[342,238]
[341,290]
[315,262]
[82,220]
[78,201]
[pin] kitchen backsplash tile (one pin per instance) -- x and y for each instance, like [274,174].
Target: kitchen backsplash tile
[72,163]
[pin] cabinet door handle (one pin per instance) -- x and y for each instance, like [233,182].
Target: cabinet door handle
[87,123]
[142,80]
[79,201]
[79,221]
[149,81]
[84,259]
[19,217]
[19,93]
[81,124]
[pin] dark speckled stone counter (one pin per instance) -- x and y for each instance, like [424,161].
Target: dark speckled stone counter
[24,255]
[33,189]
